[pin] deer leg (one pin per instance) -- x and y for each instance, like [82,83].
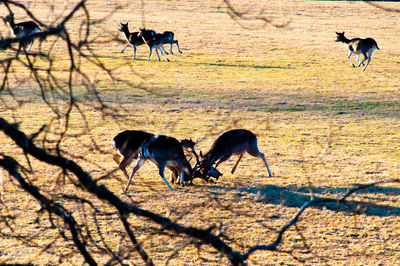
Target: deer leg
[137,167]
[161,168]
[223,158]
[177,45]
[162,55]
[365,58]
[266,163]
[159,59]
[162,47]
[254,151]
[122,164]
[369,60]
[236,164]
[151,50]
[30,46]
[348,56]
[123,50]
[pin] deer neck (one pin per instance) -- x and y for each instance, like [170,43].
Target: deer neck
[126,33]
[10,23]
[345,40]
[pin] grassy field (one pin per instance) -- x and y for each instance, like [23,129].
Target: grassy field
[323,126]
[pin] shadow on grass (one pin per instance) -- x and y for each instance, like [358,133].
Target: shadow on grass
[296,197]
[242,66]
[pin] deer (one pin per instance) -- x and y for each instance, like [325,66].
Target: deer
[157,40]
[132,38]
[22,29]
[127,144]
[232,142]
[164,151]
[358,46]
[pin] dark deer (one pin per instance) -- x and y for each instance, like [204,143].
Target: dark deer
[213,172]
[127,144]
[157,40]
[133,38]
[164,151]
[358,46]
[22,29]
[233,142]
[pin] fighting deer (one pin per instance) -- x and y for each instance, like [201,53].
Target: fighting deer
[157,40]
[213,172]
[22,29]
[127,144]
[164,151]
[233,142]
[358,46]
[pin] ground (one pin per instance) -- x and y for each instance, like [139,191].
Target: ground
[323,126]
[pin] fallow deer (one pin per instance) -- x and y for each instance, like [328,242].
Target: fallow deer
[157,40]
[233,142]
[164,151]
[213,172]
[358,46]
[127,144]
[22,29]
[133,38]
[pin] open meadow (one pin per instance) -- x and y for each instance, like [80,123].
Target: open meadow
[323,126]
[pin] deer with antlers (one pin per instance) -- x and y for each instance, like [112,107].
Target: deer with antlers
[22,29]
[232,142]
[162,150]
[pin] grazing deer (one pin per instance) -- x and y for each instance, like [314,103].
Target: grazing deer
[164,151]
[233,142]
[358,46]
[22,29]
[157,40]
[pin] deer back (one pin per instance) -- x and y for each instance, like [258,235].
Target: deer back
[129,141]
[166,149]
[236,141]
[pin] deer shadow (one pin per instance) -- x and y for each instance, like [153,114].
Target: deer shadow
[297,196]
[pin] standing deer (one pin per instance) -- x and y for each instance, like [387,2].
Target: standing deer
[22,29]
[164,151]
[157,40]
[233,142]
[358,46]
[127,144]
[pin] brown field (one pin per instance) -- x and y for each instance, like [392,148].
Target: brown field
[323,126]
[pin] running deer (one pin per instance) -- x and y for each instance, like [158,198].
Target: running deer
[164,151]
[233,142]
[22,29]
[157,40]
[133,38]
[358,46]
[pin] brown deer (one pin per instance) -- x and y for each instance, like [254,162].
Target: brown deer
[358,46]
[22,29]
[127,144]
[232,142]
[157,40]
[164,151]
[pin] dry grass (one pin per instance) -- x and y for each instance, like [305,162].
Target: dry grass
[322,125]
